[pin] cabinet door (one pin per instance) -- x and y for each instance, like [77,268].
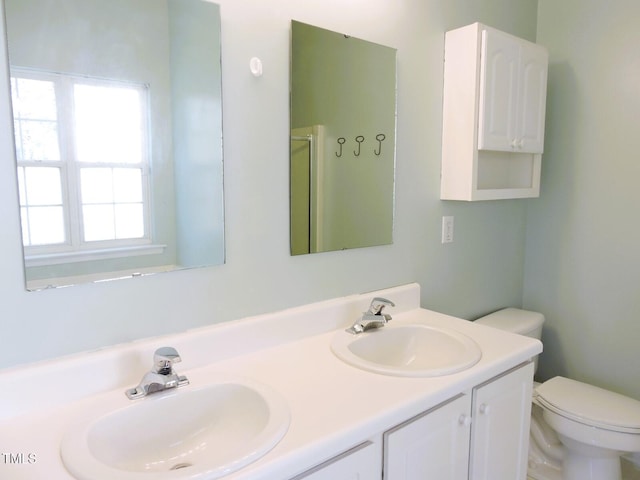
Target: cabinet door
[498,91]
[513,92]
[363,462]
[433,446]
[533,98]
[500,431]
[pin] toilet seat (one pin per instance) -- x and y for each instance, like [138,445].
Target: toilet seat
[590,405]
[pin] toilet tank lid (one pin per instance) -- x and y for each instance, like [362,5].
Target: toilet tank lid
[513,320]
[590,405]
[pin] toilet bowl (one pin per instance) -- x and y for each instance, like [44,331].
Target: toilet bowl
[594,426]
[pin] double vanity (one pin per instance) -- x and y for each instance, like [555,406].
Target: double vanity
[287,395]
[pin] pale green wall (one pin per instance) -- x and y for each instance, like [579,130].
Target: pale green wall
[482,270]
[583,234]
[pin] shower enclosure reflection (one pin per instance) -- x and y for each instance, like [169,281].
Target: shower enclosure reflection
[118,129]
[343,117]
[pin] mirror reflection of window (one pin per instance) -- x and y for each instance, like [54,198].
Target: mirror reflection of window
[83,161]
[119,137]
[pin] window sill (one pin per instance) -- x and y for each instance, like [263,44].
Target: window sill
[46,283]
[43,260]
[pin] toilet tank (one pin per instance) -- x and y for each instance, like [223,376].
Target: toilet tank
[523,322]
[514,320]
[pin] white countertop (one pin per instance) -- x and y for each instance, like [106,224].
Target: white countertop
[333,406]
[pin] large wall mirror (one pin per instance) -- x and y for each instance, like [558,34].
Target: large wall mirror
[118,136]
[343,125]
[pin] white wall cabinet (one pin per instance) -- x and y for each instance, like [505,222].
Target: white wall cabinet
[483,436]
[495,88]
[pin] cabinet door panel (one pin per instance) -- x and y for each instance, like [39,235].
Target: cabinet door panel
[500,431]
[435,446]
[533,99]
[364,462]
[498,92]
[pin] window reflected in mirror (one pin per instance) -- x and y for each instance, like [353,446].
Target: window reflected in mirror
[118,136]
[101,127]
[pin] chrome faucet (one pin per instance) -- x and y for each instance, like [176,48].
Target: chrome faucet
[161,377]
[372,318]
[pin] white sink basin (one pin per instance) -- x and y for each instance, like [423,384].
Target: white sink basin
[407,350]
[186,433]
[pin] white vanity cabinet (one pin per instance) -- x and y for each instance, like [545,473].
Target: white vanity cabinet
[482,436]
[500,428]
[433,445]
[495,88]
[363,462]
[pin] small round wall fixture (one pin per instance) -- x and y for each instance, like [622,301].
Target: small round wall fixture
[255,65]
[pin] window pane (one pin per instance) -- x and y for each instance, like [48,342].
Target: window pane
[127,185]
[43,186]
[129,221]
[108,124]
[35,119]
[113,196]
[46,225]
[38,140]
[34,99]
[98,222]
[96,185]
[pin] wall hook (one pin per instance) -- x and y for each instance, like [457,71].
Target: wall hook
[380,138]
[359,139]
[341,141]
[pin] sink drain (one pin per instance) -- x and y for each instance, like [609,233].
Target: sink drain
[178,466]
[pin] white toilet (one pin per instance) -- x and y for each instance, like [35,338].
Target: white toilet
[595,426]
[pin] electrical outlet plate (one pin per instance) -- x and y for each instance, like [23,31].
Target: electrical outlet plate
[447,229]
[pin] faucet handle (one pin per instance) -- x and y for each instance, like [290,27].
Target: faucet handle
[164,358]
[378,304]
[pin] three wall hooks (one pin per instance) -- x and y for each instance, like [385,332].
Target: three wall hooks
[359,140]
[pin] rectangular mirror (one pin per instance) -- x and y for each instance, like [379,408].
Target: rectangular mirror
[118,136]
[343,129]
